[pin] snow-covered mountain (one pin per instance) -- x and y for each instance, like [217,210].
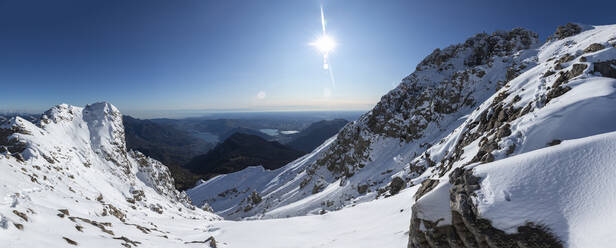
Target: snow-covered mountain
[545,194]
[500,97]
[69,180]
[361,161]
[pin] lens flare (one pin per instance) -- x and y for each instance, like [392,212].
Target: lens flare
[325,44]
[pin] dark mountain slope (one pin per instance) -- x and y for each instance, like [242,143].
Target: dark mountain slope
[164,143]
[172,146]
[315,134]
[243,130]
[240,151]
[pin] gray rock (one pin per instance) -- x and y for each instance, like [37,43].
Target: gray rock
[569,29]
[468,229]
[426,186]
[606,68]
[396,185]
[594,47]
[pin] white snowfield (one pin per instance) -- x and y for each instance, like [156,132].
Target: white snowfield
[382,223]
[568,187]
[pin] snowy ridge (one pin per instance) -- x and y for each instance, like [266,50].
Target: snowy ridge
[71,181]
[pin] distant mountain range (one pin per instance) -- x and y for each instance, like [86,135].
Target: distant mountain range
[172,146]
[243,130]
[178,142]
[29,117]
[166,143]
[314,135]
[240,151]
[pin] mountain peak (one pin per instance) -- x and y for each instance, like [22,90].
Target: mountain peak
[60,112]
[105,124]
[478,49]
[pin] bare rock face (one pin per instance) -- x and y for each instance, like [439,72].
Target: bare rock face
[594,47]
[421,100]
[467,228]
[606,68]
[569,29]
[425,187]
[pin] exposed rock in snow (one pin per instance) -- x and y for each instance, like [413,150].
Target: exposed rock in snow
[566,30]
[536,199]
[534,110]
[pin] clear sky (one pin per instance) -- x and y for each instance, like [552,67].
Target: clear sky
[240,55]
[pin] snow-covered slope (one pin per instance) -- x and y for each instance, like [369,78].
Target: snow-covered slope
[70,181]
[569,188]
[492,97]
[360,162]
[382,223]
[569,94]
[564,192]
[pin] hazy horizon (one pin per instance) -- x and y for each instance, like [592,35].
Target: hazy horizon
[201,113]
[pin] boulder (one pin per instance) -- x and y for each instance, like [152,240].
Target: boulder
[569,29]
[594,47]
[606,68]
[396,185]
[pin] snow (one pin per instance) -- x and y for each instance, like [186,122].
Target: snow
[435,206]
[76,160]
[90,170]
[567,187]
[382,223]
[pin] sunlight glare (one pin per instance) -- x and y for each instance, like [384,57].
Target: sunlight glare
[325,44]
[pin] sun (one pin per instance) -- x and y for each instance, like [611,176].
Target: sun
[325,44]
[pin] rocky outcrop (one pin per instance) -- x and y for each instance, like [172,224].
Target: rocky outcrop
[8,142]
[567,30]
[606,68]
[423,99]
[594,47]
[467,228]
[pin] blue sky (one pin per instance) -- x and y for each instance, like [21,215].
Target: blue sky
[218,55]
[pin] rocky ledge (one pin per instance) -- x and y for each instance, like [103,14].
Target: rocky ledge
[467,228]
